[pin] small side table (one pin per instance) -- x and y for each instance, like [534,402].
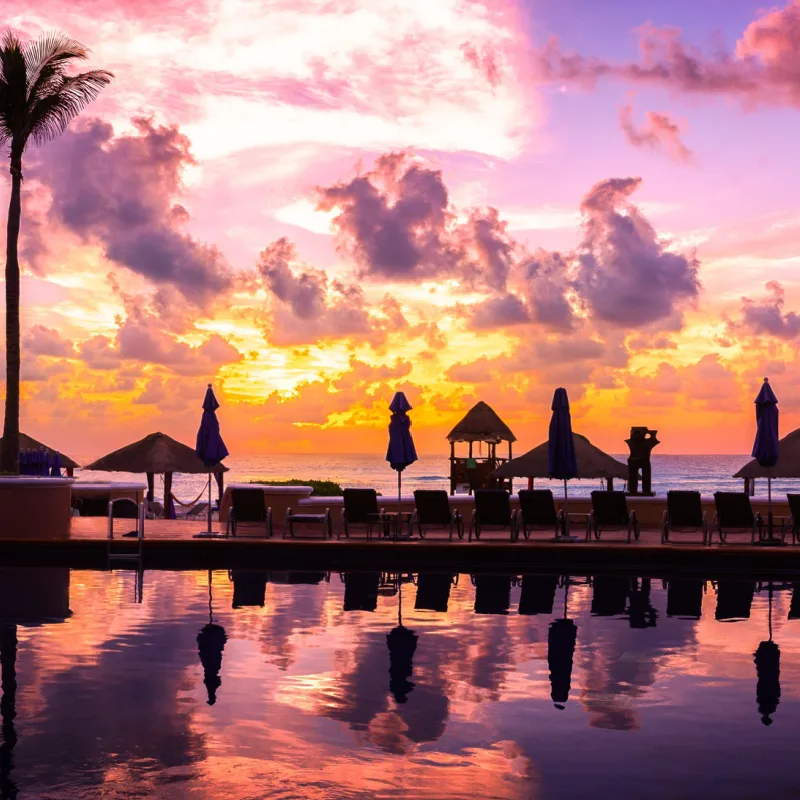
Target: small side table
[578,515]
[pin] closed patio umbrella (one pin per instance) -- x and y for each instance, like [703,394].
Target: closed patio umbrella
[210,447]
[402,644]
[561,462]
[765,447]
[401,452]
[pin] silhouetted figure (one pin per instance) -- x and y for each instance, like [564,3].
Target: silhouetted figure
[685,598]
[561,638]
[492,594]
[734,600]
[433,591]
[609,596]
[361,591]
[402,644]
[641,443]
[641,613]
[210,644]
[249,588]
[538,594]
[8,711]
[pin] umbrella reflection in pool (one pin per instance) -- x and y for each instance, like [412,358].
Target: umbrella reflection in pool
[561,639]
[210,644]
[767,659]
[402,644]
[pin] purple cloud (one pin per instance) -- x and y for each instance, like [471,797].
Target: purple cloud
[120,191]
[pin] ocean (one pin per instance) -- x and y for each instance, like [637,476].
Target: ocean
[704,473]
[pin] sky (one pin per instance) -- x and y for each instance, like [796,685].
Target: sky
[314,204]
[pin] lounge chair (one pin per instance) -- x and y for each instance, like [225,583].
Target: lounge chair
[684,513]
[361,508]
[433,590]
[609,595]
[248,507]
[735,515]
[432,509]
[538,594]
[793,523]
[734,599]
[537,512]
[93,506]
[492,592]
[199,509]
[361,590]
[249,587]
[610,513]
[685,598]
[492,510]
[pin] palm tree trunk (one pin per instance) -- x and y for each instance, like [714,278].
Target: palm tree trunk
[10,453]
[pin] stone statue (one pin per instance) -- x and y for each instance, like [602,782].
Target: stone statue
[641,444]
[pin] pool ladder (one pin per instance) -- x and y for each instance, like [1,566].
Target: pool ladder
[126,557]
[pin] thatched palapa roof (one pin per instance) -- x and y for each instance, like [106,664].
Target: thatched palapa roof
[481,424]
[156,453]
[787,466]
[29,443]
[592,463]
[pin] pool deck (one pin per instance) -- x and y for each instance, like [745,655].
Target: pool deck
[170,544]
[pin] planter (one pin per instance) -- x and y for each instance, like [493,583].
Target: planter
[35,508]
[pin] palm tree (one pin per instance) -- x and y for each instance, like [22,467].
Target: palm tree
[38,99]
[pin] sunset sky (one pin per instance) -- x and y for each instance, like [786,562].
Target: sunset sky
[313,204]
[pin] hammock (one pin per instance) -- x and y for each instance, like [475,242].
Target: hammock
[186,505]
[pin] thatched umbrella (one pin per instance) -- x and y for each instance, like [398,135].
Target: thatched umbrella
[592,463]
[29,443]
[786,466]
[156,453]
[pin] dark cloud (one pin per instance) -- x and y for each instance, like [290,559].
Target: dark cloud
[499,311]
[625,276]
[308,306]
[392,220]
[42,341]
[546,286]
[766,317]
[99,353]
[120,191]
[658,132]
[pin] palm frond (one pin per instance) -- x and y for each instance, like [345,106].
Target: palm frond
[13,78]
[50,115]
[46,59]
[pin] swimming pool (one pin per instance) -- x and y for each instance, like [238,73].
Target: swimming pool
[283,685]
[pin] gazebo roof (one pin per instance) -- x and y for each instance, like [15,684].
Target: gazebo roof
[481,424]
[29,443]
[157,453]
[592,463]
[787,466]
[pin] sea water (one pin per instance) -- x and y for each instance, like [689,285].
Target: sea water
[706,474]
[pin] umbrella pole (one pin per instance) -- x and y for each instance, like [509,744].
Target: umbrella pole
[209,504]
[769,507]
[566,510]
[399,515]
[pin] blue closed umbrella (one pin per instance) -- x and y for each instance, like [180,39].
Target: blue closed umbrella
[765,447]
[401,452]
[210,447]
[561,462]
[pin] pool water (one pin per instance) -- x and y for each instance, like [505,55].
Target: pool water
[303,685]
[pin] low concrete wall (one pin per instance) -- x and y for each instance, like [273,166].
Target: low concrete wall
[113,490]
[35,508]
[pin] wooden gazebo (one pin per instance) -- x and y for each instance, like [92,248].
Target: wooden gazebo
[482,425]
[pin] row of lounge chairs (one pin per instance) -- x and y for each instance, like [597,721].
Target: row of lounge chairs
[537,512]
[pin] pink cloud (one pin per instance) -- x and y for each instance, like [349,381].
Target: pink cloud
[658,132]
[766,317]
